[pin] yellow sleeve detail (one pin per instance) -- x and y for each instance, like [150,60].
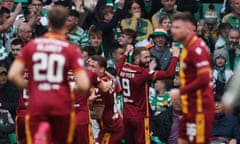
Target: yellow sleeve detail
[208,70]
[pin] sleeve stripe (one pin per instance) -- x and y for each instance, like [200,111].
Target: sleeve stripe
[20,60]
[204,70]
[78,70]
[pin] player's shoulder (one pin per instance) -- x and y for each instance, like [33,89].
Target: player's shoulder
[199,46]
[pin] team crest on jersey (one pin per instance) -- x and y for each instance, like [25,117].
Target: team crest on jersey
[203,44]
[198,51]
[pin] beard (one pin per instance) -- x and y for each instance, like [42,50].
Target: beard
[144,64]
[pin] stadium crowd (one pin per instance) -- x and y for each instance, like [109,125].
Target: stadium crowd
[135,59]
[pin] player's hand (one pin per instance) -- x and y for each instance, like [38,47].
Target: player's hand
[153,64]
[175,51]
[93,94]
[105,85]
[174,94]
[129,49]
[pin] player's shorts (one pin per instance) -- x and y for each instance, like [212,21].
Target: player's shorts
[83,134]
[196,127]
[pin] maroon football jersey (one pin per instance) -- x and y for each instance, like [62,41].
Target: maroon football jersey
[111,118]
[48,59]
[195,60]
[134,81]
[81,102]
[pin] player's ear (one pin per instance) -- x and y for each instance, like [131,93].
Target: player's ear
[137,58]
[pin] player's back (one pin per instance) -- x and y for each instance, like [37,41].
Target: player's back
[134,81]
[48,60]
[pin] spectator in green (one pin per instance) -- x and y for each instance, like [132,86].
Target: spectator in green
[76,34]
[160,49]
[6,23]
[160,101]
[223,30]
[143,27]
[95,40]
[210,27]
[234,17]
[236,62]
[232,41]
[169,8]
[37,5]
[221,75]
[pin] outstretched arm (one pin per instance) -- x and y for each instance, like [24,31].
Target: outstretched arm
[171,68]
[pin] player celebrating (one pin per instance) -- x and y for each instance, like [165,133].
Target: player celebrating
[196,91]
[134,81]
[48,59]
[112,128]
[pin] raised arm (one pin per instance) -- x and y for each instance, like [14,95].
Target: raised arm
[11,20]
[129,49]
[171,68]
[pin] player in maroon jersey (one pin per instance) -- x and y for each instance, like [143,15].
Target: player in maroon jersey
[48,59]
[21,113]
[134,81]
[112,128]
[196,90]
[83,130]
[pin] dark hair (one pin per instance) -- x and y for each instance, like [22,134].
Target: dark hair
[224,27]
[4,10]
[57,16]
[129,6]
[138,50]
[17,41]
[26,12]
[74,13]
[100,60]
[185,16]
[130,32]
[105,10]
[93,30]
[168,83]
[163,17]
[115,47]
[176,73]
[112,71]
[90,50]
